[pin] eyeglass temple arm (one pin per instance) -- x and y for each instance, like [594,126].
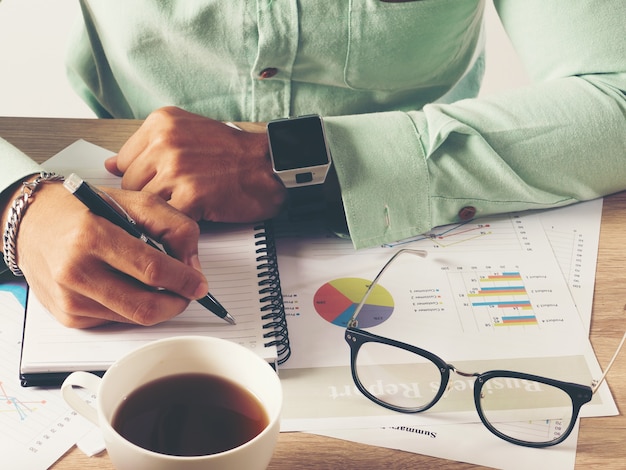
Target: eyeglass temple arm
[422,253]
[596,383]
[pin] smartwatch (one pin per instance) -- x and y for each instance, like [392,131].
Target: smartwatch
[301,160]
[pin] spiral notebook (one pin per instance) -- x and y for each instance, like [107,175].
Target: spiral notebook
[239,262]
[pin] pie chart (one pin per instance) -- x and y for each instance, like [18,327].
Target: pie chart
[336,301]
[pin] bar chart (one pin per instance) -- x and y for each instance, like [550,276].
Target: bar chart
[503,299]
[506,293]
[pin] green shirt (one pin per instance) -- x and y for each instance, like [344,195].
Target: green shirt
[396,83]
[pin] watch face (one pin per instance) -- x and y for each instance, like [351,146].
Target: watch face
[298,143]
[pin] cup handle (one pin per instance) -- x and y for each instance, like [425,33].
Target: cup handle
[89,382]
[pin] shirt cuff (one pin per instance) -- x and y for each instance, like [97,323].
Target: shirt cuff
[15,165]
[382,172]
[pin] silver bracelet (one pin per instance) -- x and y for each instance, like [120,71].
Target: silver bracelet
[9,238]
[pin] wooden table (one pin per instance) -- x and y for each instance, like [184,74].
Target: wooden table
[601,440]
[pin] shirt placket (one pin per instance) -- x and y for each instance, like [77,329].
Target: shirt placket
[273,67]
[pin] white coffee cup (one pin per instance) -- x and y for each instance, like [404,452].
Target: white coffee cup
[172,356]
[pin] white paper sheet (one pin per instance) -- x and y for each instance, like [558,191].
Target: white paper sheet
[36,426]
[573,233]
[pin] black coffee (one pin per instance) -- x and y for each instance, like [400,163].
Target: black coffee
[190,415]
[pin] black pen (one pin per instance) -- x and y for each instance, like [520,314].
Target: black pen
[100,203]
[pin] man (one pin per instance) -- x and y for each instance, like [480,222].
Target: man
[395,83]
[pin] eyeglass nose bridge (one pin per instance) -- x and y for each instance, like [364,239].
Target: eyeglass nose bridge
[458,372]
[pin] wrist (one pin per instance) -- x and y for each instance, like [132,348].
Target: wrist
[258,149]
[13,214]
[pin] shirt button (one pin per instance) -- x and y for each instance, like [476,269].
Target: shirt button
[268,73]
[467,213]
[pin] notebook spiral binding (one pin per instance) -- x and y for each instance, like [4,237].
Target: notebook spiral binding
[272,299]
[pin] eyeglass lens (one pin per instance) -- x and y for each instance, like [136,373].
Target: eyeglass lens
[526,410]
[519,408]
[408,381]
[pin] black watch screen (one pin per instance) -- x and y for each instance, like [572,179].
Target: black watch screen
[298,143]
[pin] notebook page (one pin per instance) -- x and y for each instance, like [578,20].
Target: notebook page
[227,254]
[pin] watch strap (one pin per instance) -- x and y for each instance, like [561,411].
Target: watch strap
[305,202]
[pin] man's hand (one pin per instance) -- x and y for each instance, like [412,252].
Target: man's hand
[203,167]
[87,271]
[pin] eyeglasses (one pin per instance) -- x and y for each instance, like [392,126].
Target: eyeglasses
[524,409]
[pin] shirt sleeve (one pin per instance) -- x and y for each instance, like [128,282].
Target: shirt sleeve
[15,165]
[560,140]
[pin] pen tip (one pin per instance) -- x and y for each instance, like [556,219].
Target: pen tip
[229,318]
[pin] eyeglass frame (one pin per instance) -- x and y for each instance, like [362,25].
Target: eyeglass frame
[356,338]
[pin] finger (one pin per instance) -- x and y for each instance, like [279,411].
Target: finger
[116,298]
[160,187]
[68,293]
[135,145]
[163,222]
[154,268]
[132,302]
[138,174]
[83,312]
[111,166]
[188,202]
[133,163]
